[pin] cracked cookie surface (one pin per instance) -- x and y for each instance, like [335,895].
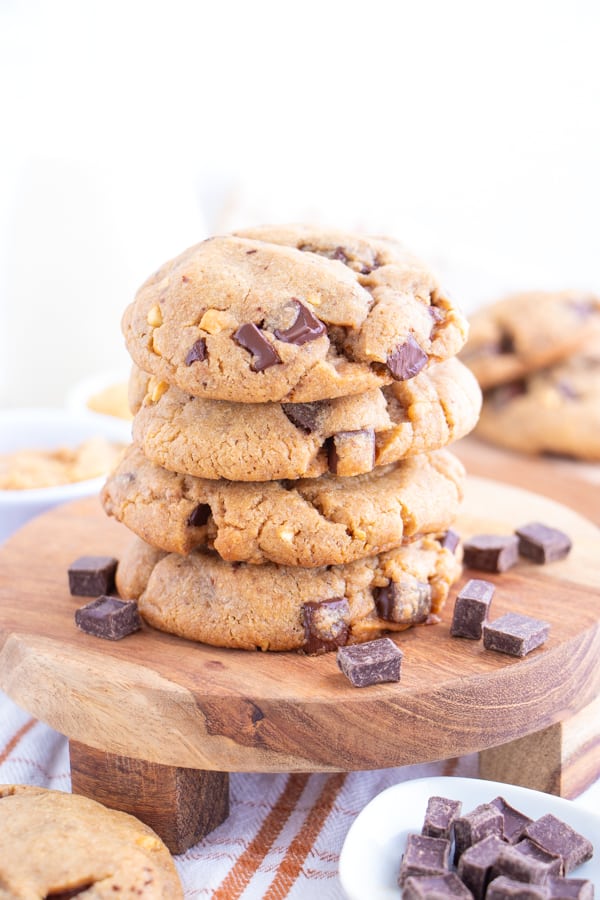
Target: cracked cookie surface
[53,843]
[346,435]
[203,598]
[290,313]
[307,522]
[524,332]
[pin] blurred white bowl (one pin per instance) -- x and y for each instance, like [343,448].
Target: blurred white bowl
[98,392]
[49,429]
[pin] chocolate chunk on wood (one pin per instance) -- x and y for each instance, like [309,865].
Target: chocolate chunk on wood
[471,609]
[374,662]
[325,624]
[352,452]
[252,339]
[197,352]
[514,820]
[406,360]
[439,817]
[109,617]
[555,836]
[491,552]
[541,543]
[304,416]
[306,327]
[450,540]
[424,856]
[90,576]
[570,888]
[482,821]
[476,864]
[521,863]
[503,888]
[434,887]
[404,602]
[515,634]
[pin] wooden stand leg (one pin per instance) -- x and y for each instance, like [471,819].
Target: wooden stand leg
[564,759]
[181,805]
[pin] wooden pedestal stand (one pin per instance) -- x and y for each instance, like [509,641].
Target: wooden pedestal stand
[156,722]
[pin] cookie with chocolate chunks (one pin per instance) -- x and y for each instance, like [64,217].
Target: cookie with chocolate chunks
[290,313]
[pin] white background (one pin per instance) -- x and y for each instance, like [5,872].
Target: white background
[129,130]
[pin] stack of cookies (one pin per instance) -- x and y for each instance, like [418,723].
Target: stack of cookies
[537,357]
[293,391]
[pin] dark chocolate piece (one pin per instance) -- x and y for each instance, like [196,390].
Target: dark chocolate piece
[374,662]
[197,352]
[482,821]
[514,820]
[435,887]
[424,856]
[555,836]
[471,609]
[90,576]
[450,540]
[251,338]
[339,254]
[304,416]
[347,449]
[406,360]
[306,327]
[515,634]
[491,552]
[542,544]
[200,515]
[519,862]
[109,617]
[506,343]
[503,888]
[439,817]
[325,624]
[71,892]
[553,860]
[476,864]
[570,888]
[405,602]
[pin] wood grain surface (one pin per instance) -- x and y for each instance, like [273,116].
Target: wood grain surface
[159,698]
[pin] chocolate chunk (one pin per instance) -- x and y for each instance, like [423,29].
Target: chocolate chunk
[450,540]
[471,609]
[251,338]
[506,343]
[570,888]
[375,662]
[541,543]
[482,821]
[476,864]
[424,856]
[304,416]
[436,314]
[351,452]
[515,634]
[503,888]
[491,552]
[434,887]
[306,327]
[339,254]
[325,624]
[521,863]
[555,836]
[197,352]
[199,516]
[90,576]
[514,820]
[109,617]
[406,360]
[439,817]
[71,892]
[503,394]
[405,602]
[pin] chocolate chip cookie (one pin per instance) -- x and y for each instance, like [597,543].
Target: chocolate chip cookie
[555,410]
[307,522]
[346,435]
[54,844]
[203,598]
[293,314]
[528,331]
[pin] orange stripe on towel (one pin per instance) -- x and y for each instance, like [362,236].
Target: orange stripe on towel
[10,746]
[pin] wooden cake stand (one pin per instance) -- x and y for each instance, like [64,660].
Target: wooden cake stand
[156,722]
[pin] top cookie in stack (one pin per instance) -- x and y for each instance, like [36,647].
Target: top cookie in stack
[292,392]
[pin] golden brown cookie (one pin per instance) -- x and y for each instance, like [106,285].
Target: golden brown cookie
[290,313]
[528,331]
[308,522]
[52,843]
[270,607]
[346,435]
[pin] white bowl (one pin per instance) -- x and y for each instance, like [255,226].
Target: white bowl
[48,429]
[80,394]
